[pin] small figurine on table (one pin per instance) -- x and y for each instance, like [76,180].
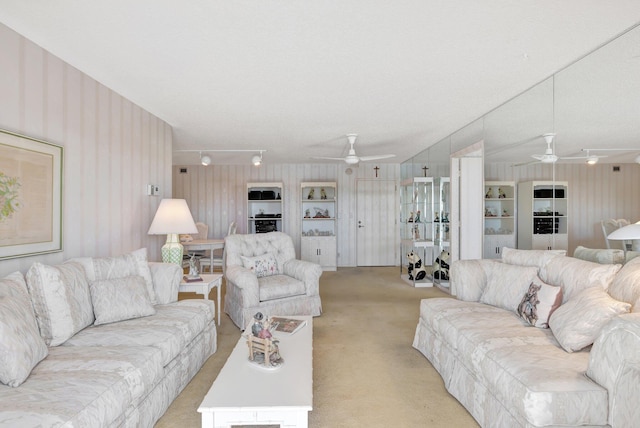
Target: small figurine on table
[501,193]
[445,217]
[410,220]
[436,217]
[311,194]
[193,268]
[307,214]
[417,219]
[323,194]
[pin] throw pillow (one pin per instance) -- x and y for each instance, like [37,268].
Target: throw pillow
[120,299]
[539,302]
[537,258]
[263,265]
[574,275]
[626,284]
[578,322]
[602,256]
[134,263]
[61,300]
[506,284]
[21,346]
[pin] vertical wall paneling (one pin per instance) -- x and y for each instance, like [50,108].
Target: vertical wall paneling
[216,195]
[112,150]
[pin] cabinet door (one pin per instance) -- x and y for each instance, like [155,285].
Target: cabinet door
[327,252]
[308,247]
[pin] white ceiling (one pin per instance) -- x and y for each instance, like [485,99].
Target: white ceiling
[293,77]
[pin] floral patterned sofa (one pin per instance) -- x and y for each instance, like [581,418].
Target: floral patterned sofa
[98,342]
[538,340]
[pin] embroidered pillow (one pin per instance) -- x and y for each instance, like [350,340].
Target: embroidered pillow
[61,300]
[506,284]
[578,322]
[263,265]
[21,346]
[539,302]
[120,299]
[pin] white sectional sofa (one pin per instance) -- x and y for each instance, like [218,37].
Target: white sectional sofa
[511,366]
[98,342]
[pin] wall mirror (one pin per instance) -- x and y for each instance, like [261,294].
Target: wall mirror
[591,104]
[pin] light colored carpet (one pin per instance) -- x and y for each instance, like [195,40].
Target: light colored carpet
[365,371]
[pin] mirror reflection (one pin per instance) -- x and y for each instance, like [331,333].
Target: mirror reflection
[592,108]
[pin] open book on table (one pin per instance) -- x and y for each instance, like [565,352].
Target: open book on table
[287,325]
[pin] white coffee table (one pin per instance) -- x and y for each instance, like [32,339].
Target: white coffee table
[204,287]
[245,394]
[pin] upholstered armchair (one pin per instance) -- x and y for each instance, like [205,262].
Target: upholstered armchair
[263,275]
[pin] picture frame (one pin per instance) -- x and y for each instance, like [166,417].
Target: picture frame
[31,183]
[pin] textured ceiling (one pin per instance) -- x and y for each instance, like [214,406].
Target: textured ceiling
[293,77]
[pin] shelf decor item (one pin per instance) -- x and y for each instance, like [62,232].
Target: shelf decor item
[318,241]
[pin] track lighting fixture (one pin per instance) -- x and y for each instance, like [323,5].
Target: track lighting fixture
[257,159]
[205,160]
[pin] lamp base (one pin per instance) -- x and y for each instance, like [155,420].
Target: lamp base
[172,250]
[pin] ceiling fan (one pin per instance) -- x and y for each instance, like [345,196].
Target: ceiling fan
[352,158]
[548,156]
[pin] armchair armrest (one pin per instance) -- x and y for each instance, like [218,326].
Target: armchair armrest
[469,278]
[614,363]
[305,271]
[166,279]
[246,282]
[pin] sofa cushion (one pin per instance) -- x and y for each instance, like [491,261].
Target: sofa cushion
[578,322]
[170,329]
[506,284]
[262,265]
[280,286]
[524,368]
[134,263]
[574,275]
[539,302]
[61,300]
[21,346]
[626,284]
[537,258]
[120,299]
[82,387]
[603,256]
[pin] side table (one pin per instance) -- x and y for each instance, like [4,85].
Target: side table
[204,287]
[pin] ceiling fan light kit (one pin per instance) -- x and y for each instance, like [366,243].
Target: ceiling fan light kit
[205,160]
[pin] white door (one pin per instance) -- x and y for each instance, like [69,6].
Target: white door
[377,243]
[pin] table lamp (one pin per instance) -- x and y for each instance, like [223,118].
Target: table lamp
[630,232]
[172,218]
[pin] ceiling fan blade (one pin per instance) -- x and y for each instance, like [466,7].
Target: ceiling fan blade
[372,158]
[525,163]
[327,158]
[538,157]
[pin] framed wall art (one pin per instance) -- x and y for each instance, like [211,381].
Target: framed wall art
[30,196]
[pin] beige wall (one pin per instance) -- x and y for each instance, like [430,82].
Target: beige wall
[217,195]
[595,193]
[112,149]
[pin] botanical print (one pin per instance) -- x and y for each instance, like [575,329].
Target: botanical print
[9,201]
[30,196]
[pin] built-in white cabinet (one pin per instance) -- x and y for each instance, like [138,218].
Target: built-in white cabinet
[499,217]
[543,215]
[441,225]
[264,207]
[318,219]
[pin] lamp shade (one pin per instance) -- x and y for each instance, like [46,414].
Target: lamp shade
[631,231]
[173,216]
